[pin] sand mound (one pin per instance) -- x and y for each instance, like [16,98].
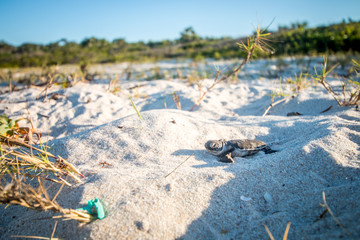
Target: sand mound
[203,198]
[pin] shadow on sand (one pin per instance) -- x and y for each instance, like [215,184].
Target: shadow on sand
[282,187]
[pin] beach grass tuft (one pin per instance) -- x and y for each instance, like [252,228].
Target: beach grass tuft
[20,161]
[350,89]
[18,192]
[259,42]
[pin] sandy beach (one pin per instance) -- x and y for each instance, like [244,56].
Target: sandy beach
[149,196]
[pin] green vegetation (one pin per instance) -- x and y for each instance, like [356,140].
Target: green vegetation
[256,43]
[343,37]
[296,39]
[350,89]
[135,108]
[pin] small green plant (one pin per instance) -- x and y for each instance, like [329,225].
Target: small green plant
[11,128]
[63,81]
[157,73]
[197,75]
[259,42]
[278,93]
[8,127]
[299,82]
[350,89]
[179,74]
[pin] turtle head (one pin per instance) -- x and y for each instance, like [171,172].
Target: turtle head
[215,147]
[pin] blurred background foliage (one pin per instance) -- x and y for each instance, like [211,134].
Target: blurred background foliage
[296,39]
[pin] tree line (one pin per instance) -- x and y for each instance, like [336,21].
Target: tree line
[296,39]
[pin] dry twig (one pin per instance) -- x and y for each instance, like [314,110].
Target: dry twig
[276,103]
[178,166]
[258,41]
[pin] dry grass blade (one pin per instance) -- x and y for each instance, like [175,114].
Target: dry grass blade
[53,233]
[178,166]
[15,142]
[176,100]
[17,192]
[286,233]
[71,214]
[71,168]
[327,209]
[269,233]
[276,103]
[21,159]
[35,161]
[49,84]
[35,237]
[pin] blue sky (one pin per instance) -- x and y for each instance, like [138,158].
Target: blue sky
[45,21]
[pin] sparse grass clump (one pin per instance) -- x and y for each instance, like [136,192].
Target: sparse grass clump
[25,162]
[114,87]
[19,156]
[17,192]
[176,100]
[258,42]
[299,82]
[20,161]
[350,89]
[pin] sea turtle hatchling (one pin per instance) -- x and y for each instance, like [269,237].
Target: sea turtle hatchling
[227,150]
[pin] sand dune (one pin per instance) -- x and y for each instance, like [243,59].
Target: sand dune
[203,198]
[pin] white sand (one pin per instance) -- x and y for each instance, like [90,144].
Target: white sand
[203,198]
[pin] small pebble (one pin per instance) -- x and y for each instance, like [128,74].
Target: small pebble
[268,197]
[245,199]
[168,187]
[142,225]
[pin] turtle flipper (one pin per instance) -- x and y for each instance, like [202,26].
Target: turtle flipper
[227,158]
[268,150]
